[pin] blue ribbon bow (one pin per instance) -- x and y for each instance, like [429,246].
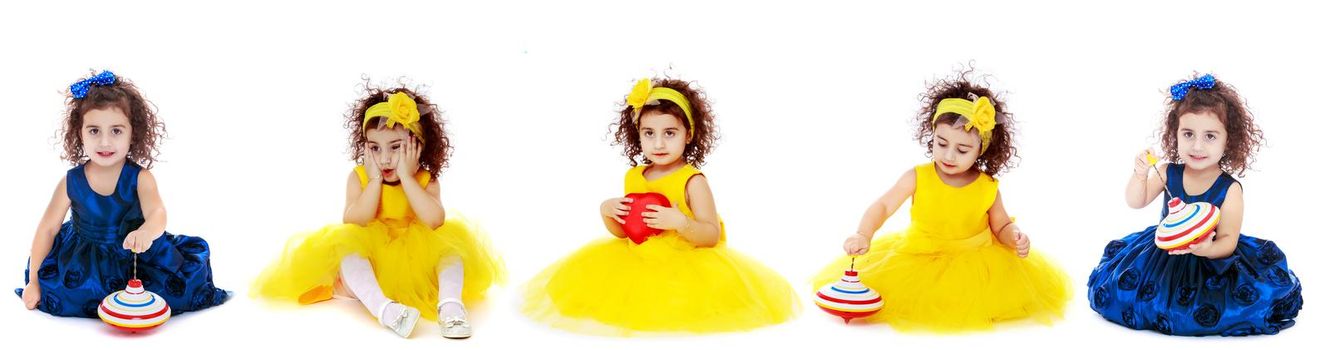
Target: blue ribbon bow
[80,89]
[1205,82]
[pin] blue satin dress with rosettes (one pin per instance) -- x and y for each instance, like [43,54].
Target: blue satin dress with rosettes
[1140,286]
[87,261]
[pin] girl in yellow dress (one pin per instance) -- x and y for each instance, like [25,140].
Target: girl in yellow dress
[683,279]
[398,251]
[963,264]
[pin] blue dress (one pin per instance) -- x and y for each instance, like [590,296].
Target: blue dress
[1140,286]
[87,261]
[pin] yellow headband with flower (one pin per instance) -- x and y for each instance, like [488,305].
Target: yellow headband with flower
[399,110]
[644,94]
[979,114]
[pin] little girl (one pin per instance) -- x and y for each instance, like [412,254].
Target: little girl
[398,251]
[683,279]
[111,135]
[1228,284]
[963,263]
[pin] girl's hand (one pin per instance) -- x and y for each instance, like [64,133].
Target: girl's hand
[408,158]
[1021,243]
[664,218]
[371,164]
[856,244]
[138,241]
[32,295]
[1143,165]
[615,208]
[1201,246]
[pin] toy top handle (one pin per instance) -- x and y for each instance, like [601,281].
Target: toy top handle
[1154,160]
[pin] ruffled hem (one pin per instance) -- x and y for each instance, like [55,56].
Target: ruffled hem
[664,285]
[955,286]
[406,257]
[1139,286]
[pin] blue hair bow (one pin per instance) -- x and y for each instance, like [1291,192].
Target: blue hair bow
[1205,82]
[80,89]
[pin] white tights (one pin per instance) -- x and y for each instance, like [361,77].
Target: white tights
[358,277]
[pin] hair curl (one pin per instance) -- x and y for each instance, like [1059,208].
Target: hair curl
[1001,153]
[436,147]
[700,143]
[1244,137]
[146,131]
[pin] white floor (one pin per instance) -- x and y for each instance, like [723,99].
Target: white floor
[344,325]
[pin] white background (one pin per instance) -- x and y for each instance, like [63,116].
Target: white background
[814,102]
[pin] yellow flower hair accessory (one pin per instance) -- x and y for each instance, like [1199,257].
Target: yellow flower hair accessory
[645,94]
[979,114]
[400,109]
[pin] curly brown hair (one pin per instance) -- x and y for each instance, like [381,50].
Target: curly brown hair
[146,132]
[1001,153]
[1244,137]
[437,148]
[700,143]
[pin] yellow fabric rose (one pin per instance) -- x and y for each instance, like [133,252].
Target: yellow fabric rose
[638,97]
[984,116]
[400,109]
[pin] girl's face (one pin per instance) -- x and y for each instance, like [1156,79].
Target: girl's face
[106,136]
[384,144]
[1201,139]
[955,150]
[662,137]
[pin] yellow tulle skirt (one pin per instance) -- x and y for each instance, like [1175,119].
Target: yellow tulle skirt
[406,256]
[664,285]
[960,285]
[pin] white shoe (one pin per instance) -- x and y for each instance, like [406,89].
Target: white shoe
[404,323]
[454,327]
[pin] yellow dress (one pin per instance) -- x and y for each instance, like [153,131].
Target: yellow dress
[947,271]
[664,285]
[404,252]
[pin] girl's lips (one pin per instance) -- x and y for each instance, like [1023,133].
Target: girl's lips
[105,154]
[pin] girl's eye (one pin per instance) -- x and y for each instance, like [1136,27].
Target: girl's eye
[963,151]
[374,148]
[648,133]
[1186,134]
[395,147]
[1212,137]
[669,133]
[92,131]
[116,131]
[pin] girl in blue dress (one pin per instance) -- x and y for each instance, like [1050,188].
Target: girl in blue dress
[110,133]
[1227,284]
